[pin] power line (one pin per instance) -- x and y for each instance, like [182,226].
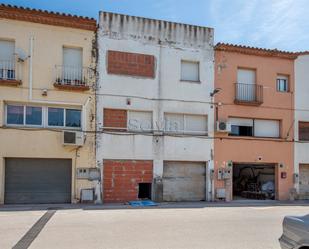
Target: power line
[175,100]
[130,133]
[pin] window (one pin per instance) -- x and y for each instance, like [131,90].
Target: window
[303,131]
[255,127]
[73,118]
[266,128]
[246,86]
[246,76]
[60,117]
[282,83]
[55,116]
[7,62]
[33,115]
[15,115]
[72,65]
[139,121]
[241,127]
[24,115]
[190,71]
[185,123]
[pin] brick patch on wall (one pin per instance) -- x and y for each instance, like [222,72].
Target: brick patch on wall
[133,64]
[121,179]
[115,118]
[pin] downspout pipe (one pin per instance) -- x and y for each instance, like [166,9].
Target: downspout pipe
[30,66]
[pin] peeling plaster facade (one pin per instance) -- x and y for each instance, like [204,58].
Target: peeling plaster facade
[169,43]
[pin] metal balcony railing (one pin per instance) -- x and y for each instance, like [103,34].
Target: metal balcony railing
[9,70]
[72,76]
[248,94]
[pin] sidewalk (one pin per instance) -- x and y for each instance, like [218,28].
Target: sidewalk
[163,205]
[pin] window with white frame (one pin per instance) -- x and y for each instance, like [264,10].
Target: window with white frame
[282,83]
[72,65]
[255,127]
[7,62]
[185,123]
[139,121]
[42,116]
[61,117]
[190,71]
[24,115]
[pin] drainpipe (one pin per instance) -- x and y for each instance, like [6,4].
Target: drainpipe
[30,66]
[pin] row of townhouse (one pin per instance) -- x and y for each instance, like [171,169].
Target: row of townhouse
[133,108]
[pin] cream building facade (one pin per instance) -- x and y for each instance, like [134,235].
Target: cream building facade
[47,82]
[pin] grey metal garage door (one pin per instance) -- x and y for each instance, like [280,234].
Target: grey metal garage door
[304,181]
[33,181]
[184,181]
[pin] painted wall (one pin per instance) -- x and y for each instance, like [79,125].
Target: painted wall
[276,106]
[301,109]
[163,93]
[42,143]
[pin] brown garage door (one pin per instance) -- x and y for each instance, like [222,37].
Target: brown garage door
[184,181]
[304,180]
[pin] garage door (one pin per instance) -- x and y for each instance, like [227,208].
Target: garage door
[184,181]
[33,181]
[304,180]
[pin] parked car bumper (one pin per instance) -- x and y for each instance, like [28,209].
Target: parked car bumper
[286,243]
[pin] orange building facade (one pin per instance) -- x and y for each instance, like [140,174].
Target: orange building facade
[254,119]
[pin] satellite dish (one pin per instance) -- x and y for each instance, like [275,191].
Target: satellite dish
[21,55]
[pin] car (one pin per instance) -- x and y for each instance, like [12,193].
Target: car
[295,232]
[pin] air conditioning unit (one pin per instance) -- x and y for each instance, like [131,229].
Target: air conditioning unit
[223,126]
[75,138]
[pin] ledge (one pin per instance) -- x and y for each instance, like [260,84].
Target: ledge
[71,87]
[251,103]
[10,82]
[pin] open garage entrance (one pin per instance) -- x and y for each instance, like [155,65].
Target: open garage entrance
[254,181]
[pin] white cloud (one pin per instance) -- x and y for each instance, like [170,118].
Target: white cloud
[276,23]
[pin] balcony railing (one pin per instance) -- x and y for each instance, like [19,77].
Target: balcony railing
[251,94]
[69,77]
[9,73]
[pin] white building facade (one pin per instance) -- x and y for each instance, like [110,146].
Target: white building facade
[155,119]
[301,148]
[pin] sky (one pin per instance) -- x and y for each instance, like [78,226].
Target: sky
[281,24]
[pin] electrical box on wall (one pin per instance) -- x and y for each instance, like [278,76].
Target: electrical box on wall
[295,178]
[227,173]
[220,194]
[212,173]
[87,195]
[220,173]
[94,174]
[224,173]
[90,174]
[283,175]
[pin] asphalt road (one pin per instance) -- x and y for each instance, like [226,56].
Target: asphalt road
[222,227]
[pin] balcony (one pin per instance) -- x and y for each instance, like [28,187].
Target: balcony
[9,73]
[72,78]
[248,94]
